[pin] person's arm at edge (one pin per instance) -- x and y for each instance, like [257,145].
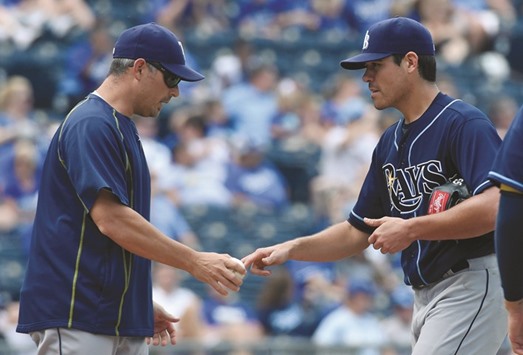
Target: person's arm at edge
[333,243]
[508,249]
[135,234]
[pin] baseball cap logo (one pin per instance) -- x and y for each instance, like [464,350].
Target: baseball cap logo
[183,52]
[366,41]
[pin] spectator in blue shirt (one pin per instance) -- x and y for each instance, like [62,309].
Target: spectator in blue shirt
[253,179]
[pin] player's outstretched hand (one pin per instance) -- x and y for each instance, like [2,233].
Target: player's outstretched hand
[515,325]
[264,257]
[163,327]
[220,271]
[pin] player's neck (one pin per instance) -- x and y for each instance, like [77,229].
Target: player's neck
[117,96]
[418,103]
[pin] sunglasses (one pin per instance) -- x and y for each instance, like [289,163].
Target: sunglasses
[169,78]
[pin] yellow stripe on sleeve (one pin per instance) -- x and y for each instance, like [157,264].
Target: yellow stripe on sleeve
[504,187]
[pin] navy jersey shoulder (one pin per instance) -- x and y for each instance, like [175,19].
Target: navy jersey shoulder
[77,277]
[507,168]
[452,139]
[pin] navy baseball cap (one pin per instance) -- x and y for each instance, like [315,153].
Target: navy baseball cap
[155,43]
[397,35]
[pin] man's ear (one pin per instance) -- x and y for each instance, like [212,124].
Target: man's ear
[411,59]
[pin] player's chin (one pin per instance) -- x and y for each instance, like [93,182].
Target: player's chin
[157,111]
[377,100]
[379,104]
[153,111]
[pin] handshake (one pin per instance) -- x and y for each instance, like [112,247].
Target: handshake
[225,273]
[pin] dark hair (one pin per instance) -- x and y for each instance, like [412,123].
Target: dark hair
[426,66]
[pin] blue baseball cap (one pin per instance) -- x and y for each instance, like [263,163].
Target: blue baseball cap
[397,35]
[155,43]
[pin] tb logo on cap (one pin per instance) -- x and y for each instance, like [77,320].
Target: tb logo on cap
[181,47]
[366,41]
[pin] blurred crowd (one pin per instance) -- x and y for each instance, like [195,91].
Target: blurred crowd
[252,136]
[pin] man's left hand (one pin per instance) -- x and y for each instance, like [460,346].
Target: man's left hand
[391,234]
[163,327]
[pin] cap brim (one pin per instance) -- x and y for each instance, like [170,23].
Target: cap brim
[184,72]
[358,61]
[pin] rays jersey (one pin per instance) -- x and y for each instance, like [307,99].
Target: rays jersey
[76,277]
[452,139]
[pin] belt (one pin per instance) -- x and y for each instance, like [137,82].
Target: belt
[461,265]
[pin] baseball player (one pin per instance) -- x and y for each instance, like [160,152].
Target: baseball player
[88,288]
[507,172]
[447,257]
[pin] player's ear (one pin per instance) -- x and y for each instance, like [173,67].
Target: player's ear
[411,59]
[138,65]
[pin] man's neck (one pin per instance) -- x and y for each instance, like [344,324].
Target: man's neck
[418,103]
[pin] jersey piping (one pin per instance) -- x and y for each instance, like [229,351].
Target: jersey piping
[418,257]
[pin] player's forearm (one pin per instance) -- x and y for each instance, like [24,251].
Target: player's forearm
[471,218]
[333,243]
[134,233]
[509,243]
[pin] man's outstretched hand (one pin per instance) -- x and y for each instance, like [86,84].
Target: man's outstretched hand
[264,257]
